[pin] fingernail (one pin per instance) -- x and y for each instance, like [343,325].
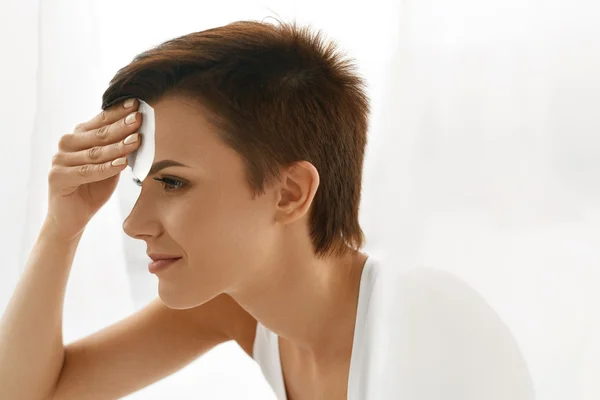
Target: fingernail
[119,161]
[130,119]
[128,103]
[131,138]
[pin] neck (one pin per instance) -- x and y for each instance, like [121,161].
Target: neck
[309,302]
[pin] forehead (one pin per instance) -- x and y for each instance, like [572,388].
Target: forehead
[183,129]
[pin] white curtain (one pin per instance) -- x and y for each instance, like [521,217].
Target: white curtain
[482,160]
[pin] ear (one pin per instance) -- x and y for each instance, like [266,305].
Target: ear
[298,187]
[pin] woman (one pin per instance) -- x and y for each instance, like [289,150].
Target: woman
[250,215]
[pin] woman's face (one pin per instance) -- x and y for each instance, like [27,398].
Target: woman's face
[204,213]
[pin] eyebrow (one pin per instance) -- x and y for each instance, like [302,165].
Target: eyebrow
[157,166]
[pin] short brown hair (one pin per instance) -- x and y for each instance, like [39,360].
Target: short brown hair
[279,94]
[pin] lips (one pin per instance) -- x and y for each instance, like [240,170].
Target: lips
[161,264]
[159,256]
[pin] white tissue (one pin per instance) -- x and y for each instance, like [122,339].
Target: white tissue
[141,160]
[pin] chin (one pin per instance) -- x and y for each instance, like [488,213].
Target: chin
[179,299]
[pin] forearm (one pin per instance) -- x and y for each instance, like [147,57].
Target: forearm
[31,344]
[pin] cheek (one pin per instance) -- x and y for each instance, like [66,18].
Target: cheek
[240,222]
[219,230]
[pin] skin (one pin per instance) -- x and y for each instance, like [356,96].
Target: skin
[256,250]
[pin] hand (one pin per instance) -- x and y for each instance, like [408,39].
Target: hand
[83,176]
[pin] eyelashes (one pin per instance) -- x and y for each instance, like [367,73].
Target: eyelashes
[168,184]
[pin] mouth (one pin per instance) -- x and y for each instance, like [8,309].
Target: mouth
[161,264]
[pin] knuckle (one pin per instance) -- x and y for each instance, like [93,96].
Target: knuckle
[57,158]
[104,116]
[94,152]
[84,170]
[102,132]
[78,128]
[64,141]
[102,168]
[53,175]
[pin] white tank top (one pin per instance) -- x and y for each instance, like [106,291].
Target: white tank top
[421,334]
[266,343]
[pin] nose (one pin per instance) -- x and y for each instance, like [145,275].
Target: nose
[141,222]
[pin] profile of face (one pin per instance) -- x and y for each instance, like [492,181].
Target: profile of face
[204,211]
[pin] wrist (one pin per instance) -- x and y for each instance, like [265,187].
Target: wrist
[51,230]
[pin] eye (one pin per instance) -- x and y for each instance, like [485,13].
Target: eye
[169,184]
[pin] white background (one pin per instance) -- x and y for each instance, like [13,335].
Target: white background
[482,160]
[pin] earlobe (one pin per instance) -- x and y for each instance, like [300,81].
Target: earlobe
[299,185]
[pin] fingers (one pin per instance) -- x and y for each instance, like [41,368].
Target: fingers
[65,176]
[129,121]
[98,149]
[108,116]
[102,136]
[99,154]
